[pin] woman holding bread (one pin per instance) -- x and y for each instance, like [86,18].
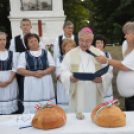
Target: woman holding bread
[36,65]
[125,77]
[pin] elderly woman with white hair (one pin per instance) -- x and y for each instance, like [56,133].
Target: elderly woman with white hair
[125,77]
[84,95]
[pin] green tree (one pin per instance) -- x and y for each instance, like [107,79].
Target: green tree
[107,17]
[77,13]
[4,21]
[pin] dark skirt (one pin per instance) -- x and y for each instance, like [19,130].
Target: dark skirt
[21,95]
[129,103]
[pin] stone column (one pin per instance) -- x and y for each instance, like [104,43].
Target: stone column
[52,20]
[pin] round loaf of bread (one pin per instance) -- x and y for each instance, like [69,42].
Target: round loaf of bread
[49,118]
[109,116]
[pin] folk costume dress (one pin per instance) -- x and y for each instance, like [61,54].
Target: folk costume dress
[62,98]
[36,89]
[8,94]
[83,95]
[18,45]
[109,95]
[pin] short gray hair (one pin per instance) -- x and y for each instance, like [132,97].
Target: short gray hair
[67,23]
[128,26]
[85,32]
[3,33]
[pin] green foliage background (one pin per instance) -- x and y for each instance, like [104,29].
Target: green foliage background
[4,21]
[77,13]
[106,17]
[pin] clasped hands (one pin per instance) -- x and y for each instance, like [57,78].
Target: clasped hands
[39,73]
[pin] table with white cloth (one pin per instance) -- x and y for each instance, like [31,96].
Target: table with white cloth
[72,126]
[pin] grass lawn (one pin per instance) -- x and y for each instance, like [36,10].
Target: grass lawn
[116,53]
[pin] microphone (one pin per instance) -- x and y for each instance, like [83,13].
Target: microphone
[91,53]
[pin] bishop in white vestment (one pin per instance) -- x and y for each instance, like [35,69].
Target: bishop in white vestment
[84,95]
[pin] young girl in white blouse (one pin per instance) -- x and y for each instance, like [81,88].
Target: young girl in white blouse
[36,85]
[8,83]
[62,98]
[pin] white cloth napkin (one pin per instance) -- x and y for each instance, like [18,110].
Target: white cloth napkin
[19,121]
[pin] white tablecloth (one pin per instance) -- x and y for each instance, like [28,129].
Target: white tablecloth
[72,126]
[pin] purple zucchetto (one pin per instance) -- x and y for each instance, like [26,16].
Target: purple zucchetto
[87,30]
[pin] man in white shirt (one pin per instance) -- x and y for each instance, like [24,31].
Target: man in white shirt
[17,43]
[68,29]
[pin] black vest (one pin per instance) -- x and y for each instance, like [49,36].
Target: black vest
[8,63]
[61,41]
[19,44]
[36,63]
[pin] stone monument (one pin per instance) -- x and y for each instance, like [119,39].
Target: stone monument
[49,11]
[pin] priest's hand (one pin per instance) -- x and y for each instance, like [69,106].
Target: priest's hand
[101,59]
[97,80]
[59,78]
[73,79]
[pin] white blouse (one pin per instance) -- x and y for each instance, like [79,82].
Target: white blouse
[22,60]
[4,56]
[125,81]
[58,65]
[128,60]
[124,48]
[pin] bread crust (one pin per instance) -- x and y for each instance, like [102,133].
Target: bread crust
[109,117]
[49,118]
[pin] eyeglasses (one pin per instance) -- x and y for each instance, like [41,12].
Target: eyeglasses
[84,41]
[25,25]
[23,118]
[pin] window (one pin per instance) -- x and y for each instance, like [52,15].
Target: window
[36,5]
